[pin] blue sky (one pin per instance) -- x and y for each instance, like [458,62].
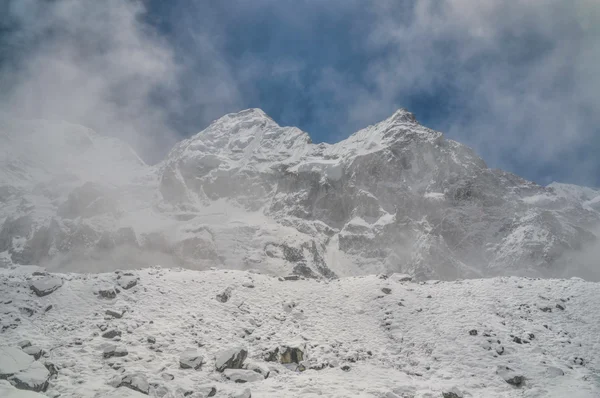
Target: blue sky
[518,81]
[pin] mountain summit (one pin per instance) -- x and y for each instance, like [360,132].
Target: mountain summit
[246,193]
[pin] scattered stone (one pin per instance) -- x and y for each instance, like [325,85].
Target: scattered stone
[232,358]
[136,382]
[27,311]
[112,350]
[44,286]
[386,290]
[500,350]
[242,375]
[111,334]
[510,376]
[190,360]
[48,308]
[249,285]
[291,278]
[403,278]
[107,292]
[115,314]
[167,376]
[225,296]
[546,309]
[473,332]
[35,351]
[517,340]
[560,307]
[151,340]
[346,368]
[127,281]
[450,394]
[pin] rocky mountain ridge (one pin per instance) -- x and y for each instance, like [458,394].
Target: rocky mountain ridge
[246,193]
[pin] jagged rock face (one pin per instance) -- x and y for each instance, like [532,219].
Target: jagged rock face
[246,193]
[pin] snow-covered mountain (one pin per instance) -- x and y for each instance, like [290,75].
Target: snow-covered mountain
[246,193]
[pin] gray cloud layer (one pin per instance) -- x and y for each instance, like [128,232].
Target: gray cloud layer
[516,80]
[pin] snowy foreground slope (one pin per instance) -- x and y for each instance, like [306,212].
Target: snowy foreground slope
[167,330]
[246,193]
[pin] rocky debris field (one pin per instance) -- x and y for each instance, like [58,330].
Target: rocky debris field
[170,333]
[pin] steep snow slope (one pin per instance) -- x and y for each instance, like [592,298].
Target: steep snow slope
[371,336]
[248,194]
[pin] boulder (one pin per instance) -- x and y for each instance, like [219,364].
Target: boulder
[292,353]
[35,351]
[242,375]
[9,391]
[232,358]
[136,382]
[115,314]
[258,367]
[111,334]
[225,295]
[111,350]
[127,281]
[242,394]
[190,359]
[510,376]
[13,360]
[108,292]
[44,286]
[34,378]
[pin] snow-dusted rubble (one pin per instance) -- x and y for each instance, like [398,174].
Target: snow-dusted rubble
[246,193]
[369,336]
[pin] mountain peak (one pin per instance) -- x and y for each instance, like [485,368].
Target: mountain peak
[403,116]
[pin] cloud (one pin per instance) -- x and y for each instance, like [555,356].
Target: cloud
[518,80]
[88,62]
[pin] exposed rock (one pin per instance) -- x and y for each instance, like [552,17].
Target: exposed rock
[225,295]
[136,382]
[107,292]
[44,286]
[242,375]
[190,360]
[293,353]
[111,334]
[232,358]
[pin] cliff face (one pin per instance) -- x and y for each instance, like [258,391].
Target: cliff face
[248,194]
